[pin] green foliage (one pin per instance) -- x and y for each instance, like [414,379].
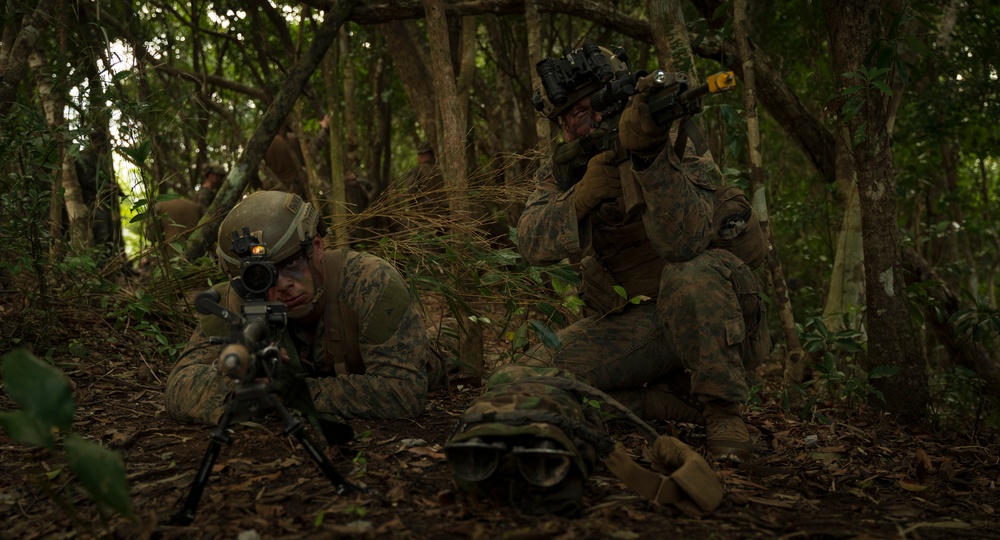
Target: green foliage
[470,274]
[960,401]
[837,375]
[141,312]
[980,323]
[45,419]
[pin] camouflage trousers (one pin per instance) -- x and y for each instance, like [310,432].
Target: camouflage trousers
[702,334]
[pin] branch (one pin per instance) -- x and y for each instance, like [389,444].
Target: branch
[381,11]
[204,78]
[964,352]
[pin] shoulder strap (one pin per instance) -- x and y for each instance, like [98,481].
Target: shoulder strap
[686,478]
[340,322]
[690,130]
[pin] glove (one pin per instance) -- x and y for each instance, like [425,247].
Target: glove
[638,132]
[601,181]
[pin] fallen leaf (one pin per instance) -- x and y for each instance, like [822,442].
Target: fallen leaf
[428,451]
[269,510]
[922,464]
[910,485]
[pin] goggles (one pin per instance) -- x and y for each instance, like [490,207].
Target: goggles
[542,463]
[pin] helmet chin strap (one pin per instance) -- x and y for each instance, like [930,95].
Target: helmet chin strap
[306,310]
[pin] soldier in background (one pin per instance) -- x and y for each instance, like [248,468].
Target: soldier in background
[212,180]
[354,338]
[426,184]
[283,158]
[176,216]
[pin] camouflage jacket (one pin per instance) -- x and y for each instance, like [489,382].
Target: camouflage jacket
[393,345]
[675,198]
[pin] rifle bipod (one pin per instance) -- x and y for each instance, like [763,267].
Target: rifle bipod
[251,398]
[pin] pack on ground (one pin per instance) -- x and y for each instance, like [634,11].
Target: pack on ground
[534,436]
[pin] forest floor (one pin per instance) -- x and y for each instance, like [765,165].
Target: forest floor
[854,477]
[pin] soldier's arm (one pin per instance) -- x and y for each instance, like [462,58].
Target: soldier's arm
[548,230]
[195,391]
[679,193]
[394,348]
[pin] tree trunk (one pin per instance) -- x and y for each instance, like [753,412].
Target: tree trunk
[332,200]
[15,61]
[53,107]
[670,37]
[846,294]
[854,28]
[453,164]
[793,368]
[536,48]
[274,116]
[351,142]
[411,63]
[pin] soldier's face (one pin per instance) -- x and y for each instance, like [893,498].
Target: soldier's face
[296,285]
[579,120]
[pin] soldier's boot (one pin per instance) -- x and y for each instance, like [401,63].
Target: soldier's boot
[726,433]
[664,401]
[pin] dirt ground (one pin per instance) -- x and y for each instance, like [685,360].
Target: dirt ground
[857,477]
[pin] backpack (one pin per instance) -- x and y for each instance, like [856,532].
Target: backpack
[534,436]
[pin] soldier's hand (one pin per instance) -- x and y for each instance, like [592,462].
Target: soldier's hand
[601,181]
[638,132]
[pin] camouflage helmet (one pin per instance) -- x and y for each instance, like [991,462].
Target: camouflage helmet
[585,83]
[281,221]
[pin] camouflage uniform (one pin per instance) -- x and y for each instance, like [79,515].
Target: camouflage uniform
[699,303]
[283,159]
[398,362]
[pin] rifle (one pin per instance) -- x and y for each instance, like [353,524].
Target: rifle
[251,357]
[669,99]
[668,96]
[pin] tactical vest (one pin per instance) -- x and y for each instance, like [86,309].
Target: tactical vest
[622,254]
[341,327]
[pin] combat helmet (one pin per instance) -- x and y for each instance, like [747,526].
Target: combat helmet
[282,221]
[578,74]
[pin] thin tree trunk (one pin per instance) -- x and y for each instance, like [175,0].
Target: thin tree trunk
[15,61]
[411,63]
[793,368]
[54,117]
[536,51]
[453,166]
[351,143]
[670,37]
[333,191]
[846,294]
